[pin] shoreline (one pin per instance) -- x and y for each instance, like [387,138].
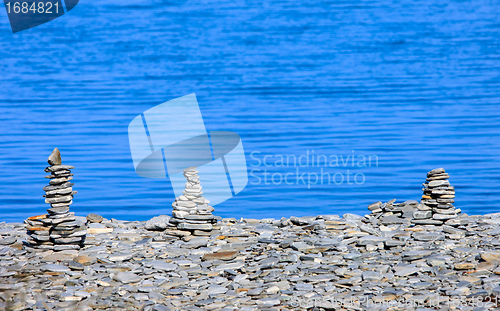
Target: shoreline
[294,263]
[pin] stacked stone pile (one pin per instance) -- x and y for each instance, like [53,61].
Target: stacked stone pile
[191,210]
[439,195]
[435,208]
[262,264]
[59,229]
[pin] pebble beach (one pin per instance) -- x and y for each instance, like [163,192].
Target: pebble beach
[325,262]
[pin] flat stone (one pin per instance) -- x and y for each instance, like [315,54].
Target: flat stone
[57,181]
[216,290]
[62,191]
[70,234]
[426,222]
[127,277]
[121,256]
[231,266]
[99,230]
[188,226]
[162,265]
[372,276]
[196,243]
[267,263]
[428,237]
[374,206]
[161,222]
[54,268]
[302,221]
[436,171]
[57,205]
[185,203]
[56,175]
[393,220]
[179,214]
[73,265]
[200,217]
[371,240]
[416,254]
[69,225]
[405,271]
[422,214]
[38,217]
[85,260]
[394,243]
[63,247]
[59,199]
[33,228]
[74,240]
[438,183]
[58,210]
[222,255]
[8,240]
[61,186]
[490,256]
[255,291]
[438,177]
[55,168]
[443,216]
[465,266]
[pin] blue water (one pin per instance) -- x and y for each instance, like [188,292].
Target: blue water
[413,84]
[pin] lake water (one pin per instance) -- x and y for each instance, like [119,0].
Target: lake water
[411,85]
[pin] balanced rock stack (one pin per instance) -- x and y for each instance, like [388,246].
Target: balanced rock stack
[191,210]
[59,229]
[439,196]
[435,208]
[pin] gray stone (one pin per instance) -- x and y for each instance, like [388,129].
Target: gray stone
[54,268]
[189,226]
[76,266]
[436,171]
[63,247]
[422,214]
[371,240]
[58,210]
[443,216]
[161,222]
[426,222]
[162,265]
[127,277]
[374,206]
[405,271]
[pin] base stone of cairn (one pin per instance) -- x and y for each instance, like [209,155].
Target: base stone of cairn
[191,210]
[59,229]
[435,207]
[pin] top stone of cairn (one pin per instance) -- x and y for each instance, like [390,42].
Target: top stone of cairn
[55,157]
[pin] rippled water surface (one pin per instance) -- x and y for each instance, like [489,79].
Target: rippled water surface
[411,85]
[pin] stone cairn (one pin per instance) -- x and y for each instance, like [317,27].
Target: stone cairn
[59,229]
[191,210]
[435,208]
[439,195]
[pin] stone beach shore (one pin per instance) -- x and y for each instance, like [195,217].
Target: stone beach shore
[325,262]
